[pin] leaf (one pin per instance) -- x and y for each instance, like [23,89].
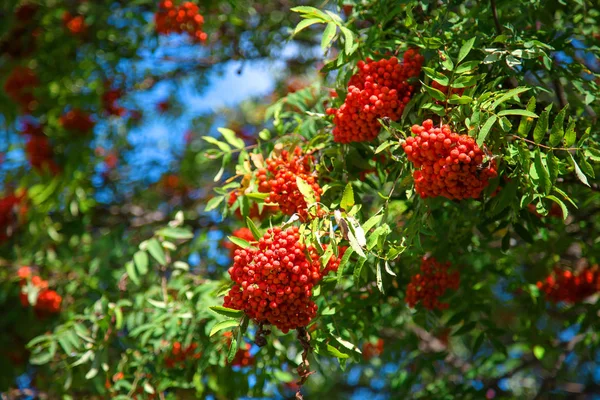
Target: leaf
[311,12]
[130,269]
[563,206]
[384,146]
[557,132]
[253,229]
[223,146]
[524,233]
[508,95]
[306,190]
[485,130]
[148,388]
[328,35]
[435,93]
[176,233]
[379,278]
[354,244]
[542,125]
[466,67]
[593,154]
[388,269]
[91,373]
[538,352]
[358,270]
[465,50]
[570,134]
[141,262]
[524,113]
[231,138]
[156,251]
[347,198]
[527,122]
[219,326]
[436,76]
[343,262]
[227,312]
[542,172]
[578,172]
[371,222]
[552,162]
[305,23]
[335,352]
[349,47]
[239,242]
[214,203]
[233,348]
[157,303]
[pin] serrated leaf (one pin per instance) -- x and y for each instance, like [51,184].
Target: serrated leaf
[335,352]
[347,198]
[527,121]
[542,125]
[227,312]
[219,326]
[156,251]
[557,132]
[552,162]
[328,35]
[435,93]
[570,134]
[239,242]
[140,259]
[349,47]
[485,130]
[563,206]
[358,270]
[371,222]
[593,154]
[582,178]
[305,23]
[542,173]
[524,113]
[436,76]
[231,138]
[233,348]
[253,229]
[465,50]
[306,190]
[508,95]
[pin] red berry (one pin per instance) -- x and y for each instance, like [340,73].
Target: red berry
[430,284]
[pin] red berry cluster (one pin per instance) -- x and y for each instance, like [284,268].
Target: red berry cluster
[180,19]
[75,24]
[242,233]
[48,301]
[19,87]
[77,120]
[273,282]
[379,89]
[566,286]
[179,356]
[279,180]
[371,350]
[172,185]
[110,99]
[448,164]
[40,154]
[243,357]
[10,206]
[430,284]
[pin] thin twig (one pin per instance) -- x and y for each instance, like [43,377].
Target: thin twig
[495,13]
[544,146]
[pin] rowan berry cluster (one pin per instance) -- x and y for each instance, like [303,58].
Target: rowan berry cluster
[243,357]
[273,282]
[371,350]
[566,286]
[10,207]
[184,18]
[38,148]
[74,23]
[110,99]
[19,86]
[279,179]
[77,120]
[379,89]
[242,233]
[448,164]
[180,355]
[430,284]
[48,301]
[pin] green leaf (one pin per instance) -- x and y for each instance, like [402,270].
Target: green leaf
[508,95]
[141,262]
[570,134]
[223,146]
[343,262]
[435,93]
[379,278]
[328,35]
[563,206]
[542,173]
[156,251]
[485,130]
[347,198]
[231,138]
[586,167]
[538,352]
[219,326]
[527,122]
[233,349]
[358,271]
[239,241]
[311,12]
[305,23]
[466,67]
[552,162]
[335,352]
[214,203]
[175,233]
[542,125]
[306,190]
[253,229]
[227,312]
[436,76]
[465,50]
[524,113]
[524,233]
[593,154]
[582,178]
[349,47]
[130,269]
[371,222]
[557,132]
[384,146]
[264,134]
